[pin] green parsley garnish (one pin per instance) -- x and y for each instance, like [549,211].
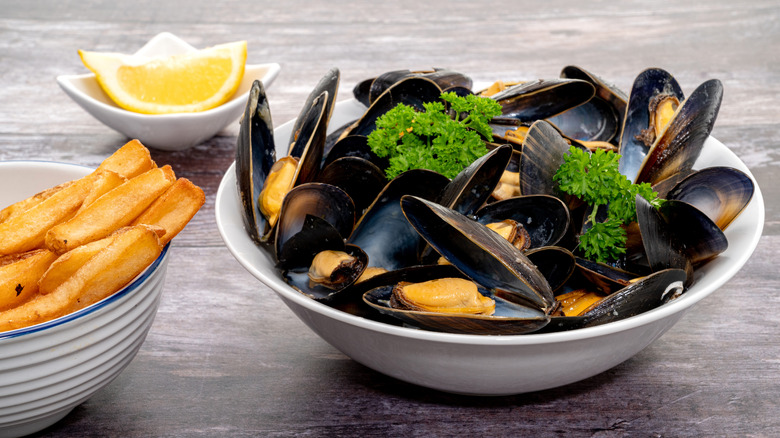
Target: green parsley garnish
[435,139]
[596,180]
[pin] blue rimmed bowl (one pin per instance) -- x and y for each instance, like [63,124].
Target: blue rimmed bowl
[48,369]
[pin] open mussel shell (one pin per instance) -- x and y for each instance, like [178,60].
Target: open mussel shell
[354,146]
[255,155]
[481,254]
[361,90]
[680,145]
[647,85]
[325,201]
[600,118]
[545,217]
[645,294]
[444,78]
[719,192]
[544,98]
[663,187]
[509,318]
[471,188]
[359,178]
[330,84]
[383,232]
[661,245]
[557,264]
[607,279]
[700,237]
[299,279]
[543,153]
[412,91]
[310,143]
[641,296]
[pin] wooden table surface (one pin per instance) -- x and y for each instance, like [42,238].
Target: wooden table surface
[225,357]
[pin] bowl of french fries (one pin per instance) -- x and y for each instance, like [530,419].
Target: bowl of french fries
[83,257]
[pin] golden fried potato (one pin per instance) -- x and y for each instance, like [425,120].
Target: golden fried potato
[174,209]
[26,231]
[67,264]
[114,210]
[19,274]
[130,160]
[24,205]
[107,271]
[105,181]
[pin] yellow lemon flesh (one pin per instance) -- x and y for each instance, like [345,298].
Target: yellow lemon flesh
[191,82]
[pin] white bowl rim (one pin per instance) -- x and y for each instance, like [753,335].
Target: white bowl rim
[229,183]
[132,286]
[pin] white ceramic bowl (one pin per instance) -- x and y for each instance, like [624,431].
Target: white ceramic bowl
[165,131]
[488,365]
[48,369]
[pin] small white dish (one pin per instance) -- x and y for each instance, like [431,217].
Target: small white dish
[488,365]
[171,132]
[48,369]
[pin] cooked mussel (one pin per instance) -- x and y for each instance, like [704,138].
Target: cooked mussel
[508,318]
[480,253]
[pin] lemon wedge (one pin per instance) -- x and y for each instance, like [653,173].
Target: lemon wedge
[191,82]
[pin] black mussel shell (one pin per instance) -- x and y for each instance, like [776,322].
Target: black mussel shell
[444,78]
[311,141]
[361,90]
[354,146]
[605,278]
[509,318]
[384,233]
[481,254]
[315,235]
[719,192]
[641,296]
[700,237]
[647,84]
[543,153]
[359,178]
[663,187]
[471,188]
[330,84]
[555,263]
[600,118]
[544,98]
[325,201]
[680,145]
[546,218]
[413,91]
[255,155]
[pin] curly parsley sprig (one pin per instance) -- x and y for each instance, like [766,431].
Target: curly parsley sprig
[596,180]
[435,139]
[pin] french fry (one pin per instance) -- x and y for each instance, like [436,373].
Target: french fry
[27,230]
[130,160]
[174,209]
[103,274]
[70,262]
[24,205]
[67,264]
[114,210]
[105,181]
[19,274]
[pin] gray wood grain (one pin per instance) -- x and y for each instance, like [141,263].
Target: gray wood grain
[225,357]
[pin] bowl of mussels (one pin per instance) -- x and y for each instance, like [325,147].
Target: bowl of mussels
[481,239]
